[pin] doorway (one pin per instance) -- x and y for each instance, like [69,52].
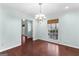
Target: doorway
[26,30]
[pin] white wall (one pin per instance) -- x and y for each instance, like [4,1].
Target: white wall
[69,29]
[0,26]
[34,30]
[10,28]
[41,30]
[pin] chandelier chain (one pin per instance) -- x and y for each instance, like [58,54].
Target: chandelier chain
[40,7]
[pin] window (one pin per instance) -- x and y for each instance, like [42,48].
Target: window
[29,26]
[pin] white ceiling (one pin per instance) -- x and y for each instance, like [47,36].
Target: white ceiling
[51,10]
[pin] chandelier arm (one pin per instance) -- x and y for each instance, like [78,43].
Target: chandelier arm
[40,17]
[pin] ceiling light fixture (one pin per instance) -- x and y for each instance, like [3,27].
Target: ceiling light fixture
[66,7]
[40,16]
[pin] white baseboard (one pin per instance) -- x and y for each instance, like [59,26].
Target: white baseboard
[9,47]
[54,41]
[61,43]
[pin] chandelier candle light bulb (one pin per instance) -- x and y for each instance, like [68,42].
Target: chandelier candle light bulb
[40,16]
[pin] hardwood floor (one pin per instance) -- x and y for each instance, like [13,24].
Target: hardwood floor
[41,48]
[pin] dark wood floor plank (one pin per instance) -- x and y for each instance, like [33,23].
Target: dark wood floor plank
[41,48]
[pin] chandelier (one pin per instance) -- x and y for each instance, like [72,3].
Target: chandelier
[40,16]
